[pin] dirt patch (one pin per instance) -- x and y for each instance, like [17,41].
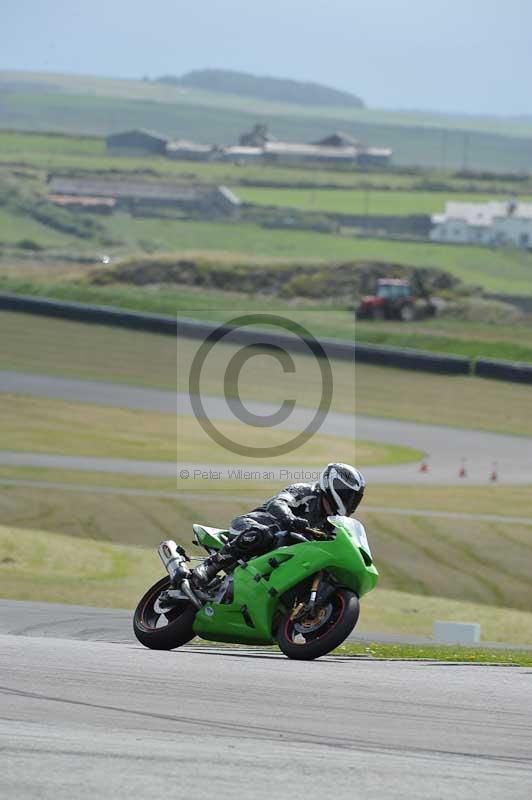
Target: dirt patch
[336,280]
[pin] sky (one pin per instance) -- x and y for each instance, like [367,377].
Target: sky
[470,56]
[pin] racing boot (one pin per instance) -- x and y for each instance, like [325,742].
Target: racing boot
[203,574]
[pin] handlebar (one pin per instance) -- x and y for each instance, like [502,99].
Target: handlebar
[309,534]
[306,535]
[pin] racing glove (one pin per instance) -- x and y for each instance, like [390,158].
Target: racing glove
[299,524]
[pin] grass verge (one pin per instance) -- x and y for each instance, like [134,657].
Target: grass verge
[392,611]
[56,568]
[449,653]
[43,425]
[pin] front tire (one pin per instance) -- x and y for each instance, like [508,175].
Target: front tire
[307,639]
[148,623]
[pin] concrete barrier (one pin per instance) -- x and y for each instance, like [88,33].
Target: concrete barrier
[456,632]
[400,358]
[418,360]
[512,371]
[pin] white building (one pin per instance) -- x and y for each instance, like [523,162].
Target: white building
[493,223]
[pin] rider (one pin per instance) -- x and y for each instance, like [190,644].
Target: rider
[299,506]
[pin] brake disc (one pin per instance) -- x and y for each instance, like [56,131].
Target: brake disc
[310,624]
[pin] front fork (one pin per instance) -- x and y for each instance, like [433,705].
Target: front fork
[308,607]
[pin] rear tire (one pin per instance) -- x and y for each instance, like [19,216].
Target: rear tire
[343,616]
[176,632]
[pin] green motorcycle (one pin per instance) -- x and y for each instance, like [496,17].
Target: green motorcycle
[303,595]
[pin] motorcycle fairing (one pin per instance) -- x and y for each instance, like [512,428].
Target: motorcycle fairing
[211,538]
[259,584]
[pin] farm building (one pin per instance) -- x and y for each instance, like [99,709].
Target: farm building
[337,148]
[96,205]
[256,137]
[295,153]
[492,223]
[138,195]
[338,139]
[184,150]
[240,154]
[136,142]
[364,156]
[374,156]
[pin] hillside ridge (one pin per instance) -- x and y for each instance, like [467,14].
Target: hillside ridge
[262,87]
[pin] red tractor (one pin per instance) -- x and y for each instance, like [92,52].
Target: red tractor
[395,300]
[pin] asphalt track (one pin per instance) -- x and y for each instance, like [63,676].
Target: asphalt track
[444,446]
[90,718]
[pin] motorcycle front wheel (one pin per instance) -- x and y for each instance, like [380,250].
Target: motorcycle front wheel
[163,630]
[313,636]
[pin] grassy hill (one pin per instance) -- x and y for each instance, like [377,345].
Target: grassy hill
[80,104]
[266,88]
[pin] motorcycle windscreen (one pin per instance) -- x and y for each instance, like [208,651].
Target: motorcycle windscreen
[355,529]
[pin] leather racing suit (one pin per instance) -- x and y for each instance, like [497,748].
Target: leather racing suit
[299,505]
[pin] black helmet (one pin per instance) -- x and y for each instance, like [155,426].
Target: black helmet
[343,486]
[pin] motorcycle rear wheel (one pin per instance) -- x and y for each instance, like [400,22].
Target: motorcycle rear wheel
[147,621]
[306,639]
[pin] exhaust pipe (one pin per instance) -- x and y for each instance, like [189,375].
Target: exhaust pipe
[187,589]
[173,560]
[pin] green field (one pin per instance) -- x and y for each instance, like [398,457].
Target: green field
[69,235]
[98,106]
[16,227]
[36,152]
[505,271]
[474,339]
[497,271]
[359,203]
